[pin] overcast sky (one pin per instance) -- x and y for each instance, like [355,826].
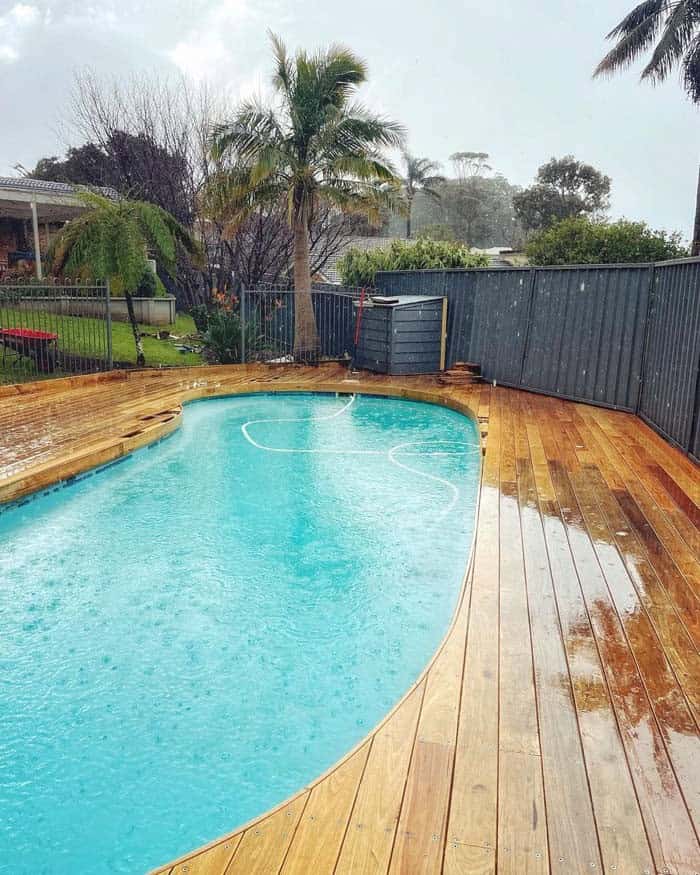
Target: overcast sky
[509,78]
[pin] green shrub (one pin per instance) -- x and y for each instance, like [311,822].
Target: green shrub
[359,268]
[222,339]
[583,241]
[150,285]
[200,314]
[147,284]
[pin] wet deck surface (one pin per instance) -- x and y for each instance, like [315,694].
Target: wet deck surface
[557,728]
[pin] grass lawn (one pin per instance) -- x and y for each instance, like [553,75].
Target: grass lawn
[158,352]
[86,337]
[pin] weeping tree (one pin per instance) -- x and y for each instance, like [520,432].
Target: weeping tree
[112,239]
[316,145]
[421,175]
[670,31]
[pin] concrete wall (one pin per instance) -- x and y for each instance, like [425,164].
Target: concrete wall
[150,311]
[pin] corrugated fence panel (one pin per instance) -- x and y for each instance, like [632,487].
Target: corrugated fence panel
[586,335]
[670,395]
[460,290]
[498,326]
[579,332]
[413,282]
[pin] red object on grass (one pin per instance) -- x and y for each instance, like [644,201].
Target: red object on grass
[28,334]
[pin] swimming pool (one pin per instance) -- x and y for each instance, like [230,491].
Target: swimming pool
[193,634]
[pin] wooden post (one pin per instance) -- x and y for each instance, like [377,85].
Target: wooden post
[37,247]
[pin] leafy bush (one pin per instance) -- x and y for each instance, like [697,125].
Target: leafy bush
[147,287]
[222,339]
[200,314]
[582,241]
[359,268]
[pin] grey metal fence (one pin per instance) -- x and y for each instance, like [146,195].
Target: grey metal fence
[622,336]
[267,322]
[670,399]
[44,331]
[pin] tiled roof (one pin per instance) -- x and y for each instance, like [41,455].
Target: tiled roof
[330,270]
[41,186]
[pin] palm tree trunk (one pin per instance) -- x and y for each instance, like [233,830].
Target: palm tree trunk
[695,246]
[140,357]
[306,345]
[408,217]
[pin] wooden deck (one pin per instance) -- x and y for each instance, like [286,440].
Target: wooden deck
[556,730]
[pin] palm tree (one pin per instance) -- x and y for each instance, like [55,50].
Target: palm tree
[315,145]
[111,240]
[670,30]
[421,175]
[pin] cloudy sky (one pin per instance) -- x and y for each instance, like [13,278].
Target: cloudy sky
[509,78]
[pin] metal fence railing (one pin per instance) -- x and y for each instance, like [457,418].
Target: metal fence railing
[51,329]
[267,323]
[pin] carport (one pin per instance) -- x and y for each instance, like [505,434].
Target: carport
[43,204]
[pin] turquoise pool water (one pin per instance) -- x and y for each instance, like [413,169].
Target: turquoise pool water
[191,635]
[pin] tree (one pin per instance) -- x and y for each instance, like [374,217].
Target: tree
[111,240]
[470,164]
[359,267]
[316,146]
[480,210]
[564,188]
[133,164]
[421,175]
[582,241]
[671,31]
[88,164]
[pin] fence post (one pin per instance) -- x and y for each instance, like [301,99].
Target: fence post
[108,325]
[242,326]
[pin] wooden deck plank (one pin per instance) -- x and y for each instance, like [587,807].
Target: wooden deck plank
[618,820]
[372,825]
[573,839]
[212,861]
[522,822]
[263,847]
[666,818]
[422,829]
[318,837]
[472,826]
[557,729]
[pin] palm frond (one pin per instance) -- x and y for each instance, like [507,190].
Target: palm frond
[690,70]
[677,35]
[253,128]
[282,78]
[634,34]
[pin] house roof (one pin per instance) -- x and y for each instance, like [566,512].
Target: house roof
[330,271]
[55,201]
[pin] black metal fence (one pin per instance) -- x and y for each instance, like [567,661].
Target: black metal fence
[267,322]
[49,330]
[622,336]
